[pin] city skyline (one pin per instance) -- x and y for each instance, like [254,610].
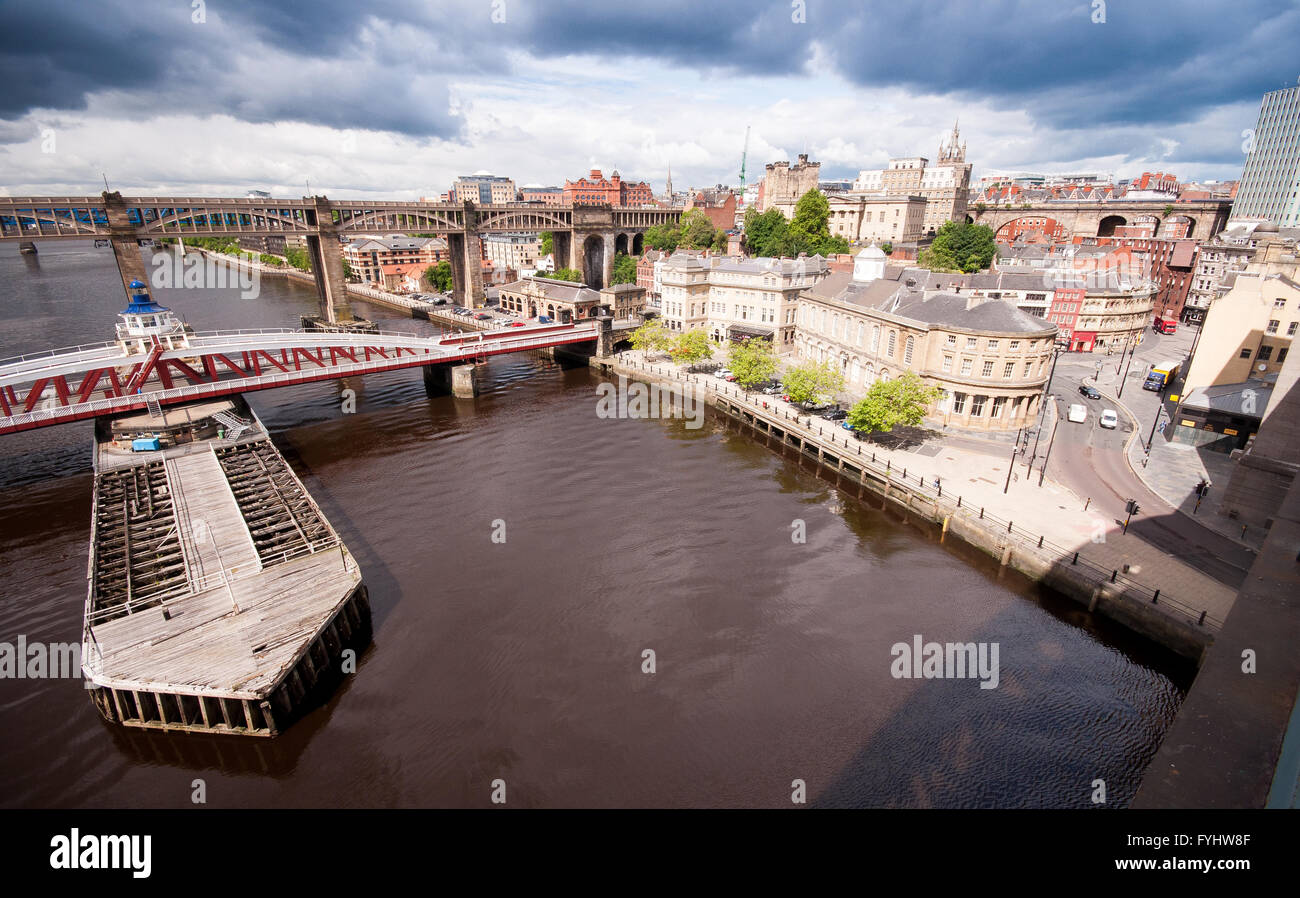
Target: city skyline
[400,104]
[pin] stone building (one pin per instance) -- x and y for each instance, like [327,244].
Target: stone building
[395,262]
[944,185]
[888,218]
[1242,349]
[517,251]
[624,301]
[562,301]
[989,358]
[731,298]
[484,189]
[784,183]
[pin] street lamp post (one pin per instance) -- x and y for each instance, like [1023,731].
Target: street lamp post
[1050,440]
[1047,391]
[1011,466]
[1160,407]
[1132,353]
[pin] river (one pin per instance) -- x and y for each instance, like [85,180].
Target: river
[524,661]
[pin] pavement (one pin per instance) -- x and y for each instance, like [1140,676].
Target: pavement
[977,470]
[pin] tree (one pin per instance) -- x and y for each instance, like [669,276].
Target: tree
[720,241]
[763,231]
[811,214]
[652,337]
[624,270]
[690,347]
[439,275]
[752,361]
[903,400]
[812,382]
[886,247]
[663,237]
[297,257]
[563,274]
[548,243]
[960,246]
[696,230]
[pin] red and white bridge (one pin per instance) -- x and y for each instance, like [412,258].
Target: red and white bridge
[64,385]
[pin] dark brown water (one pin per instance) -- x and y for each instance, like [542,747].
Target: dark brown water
[523,661]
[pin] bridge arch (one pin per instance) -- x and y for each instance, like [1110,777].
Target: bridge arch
[638,244]
[1106,227]
[620,244]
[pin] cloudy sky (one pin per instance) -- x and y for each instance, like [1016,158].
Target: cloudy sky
[395,99]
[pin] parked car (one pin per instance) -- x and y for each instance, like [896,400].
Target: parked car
[514,324]
[723,373]
[440,301]
[1109,419]
[1090,392]
[545,319]
[812,407]
[1077,414]
[482,316]
[835,413]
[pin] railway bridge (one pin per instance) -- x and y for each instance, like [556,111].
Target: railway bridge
[586,237]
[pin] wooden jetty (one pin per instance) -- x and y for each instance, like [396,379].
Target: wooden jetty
[220,598]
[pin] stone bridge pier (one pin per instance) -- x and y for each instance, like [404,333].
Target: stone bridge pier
[466,251]
[324,250]
[126,246]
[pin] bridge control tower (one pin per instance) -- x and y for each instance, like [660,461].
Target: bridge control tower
[145,323]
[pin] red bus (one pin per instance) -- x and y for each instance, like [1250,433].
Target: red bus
[1165,325]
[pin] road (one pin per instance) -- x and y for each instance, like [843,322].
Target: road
[1090,460]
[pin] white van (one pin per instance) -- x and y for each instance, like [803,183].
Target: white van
[1077,414]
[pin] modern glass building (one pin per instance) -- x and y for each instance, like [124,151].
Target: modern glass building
[1270,181]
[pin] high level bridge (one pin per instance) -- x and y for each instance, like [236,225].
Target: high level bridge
[156,361]
[586,238]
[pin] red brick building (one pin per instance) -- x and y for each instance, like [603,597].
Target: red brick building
[718,204]
[596,189]
[1064,313]
[1171,264]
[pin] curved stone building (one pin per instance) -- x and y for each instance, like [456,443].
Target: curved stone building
[989,358]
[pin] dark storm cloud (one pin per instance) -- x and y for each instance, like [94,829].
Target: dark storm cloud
[387,66]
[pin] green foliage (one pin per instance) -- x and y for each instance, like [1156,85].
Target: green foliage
[720,242]
[690,347]
[769,234]
[347,271]
[752,361]
[298,258]
[960,246]
[694,231]
[270,260]
[812,382]
[563,274]
[624,270]
[886,248]
[1169,210]
[981,208]
[228,245]
[548,243]
[652,337]
[439,275]
[888,404]
[662,237]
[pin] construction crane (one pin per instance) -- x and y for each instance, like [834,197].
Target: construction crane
[744,154]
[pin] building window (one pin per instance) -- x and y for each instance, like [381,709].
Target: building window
[993,344]
[907,351]
[977,406]
[959,403]
[1290,329]
[966,365]
[1265,353]
[1245,353]
[1272,326]
[1015,344]
[952,340]
[998,403]
[1281,355]
[860,329]
[970,342]
[1006,371]
[1279,303]
[875,338]
[988,370]
[893,338]
[947,363]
